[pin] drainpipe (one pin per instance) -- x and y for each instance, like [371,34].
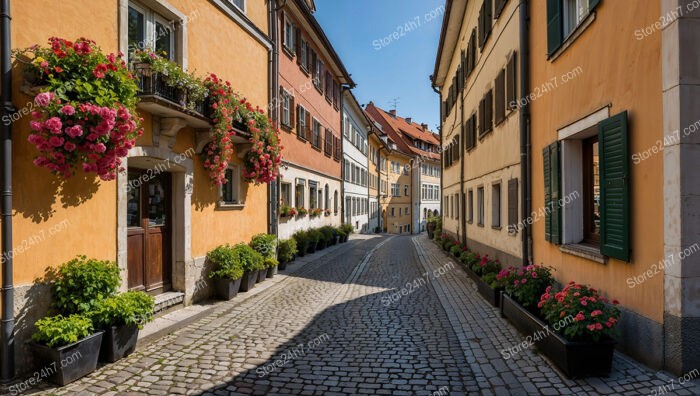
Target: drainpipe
[7,348]
[342,157]
[273,73]
[525,144]
[462,155]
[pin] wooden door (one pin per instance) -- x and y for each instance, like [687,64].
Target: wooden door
[149,231]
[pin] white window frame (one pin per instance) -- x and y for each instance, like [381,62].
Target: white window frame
[242,7]
[237,192]
[496,199]
[168,16]
[286,108]
[572,18]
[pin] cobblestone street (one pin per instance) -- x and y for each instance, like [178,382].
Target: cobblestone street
[336,325]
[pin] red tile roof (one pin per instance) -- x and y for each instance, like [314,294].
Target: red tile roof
[404,133]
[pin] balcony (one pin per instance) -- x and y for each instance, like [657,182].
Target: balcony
[160,99]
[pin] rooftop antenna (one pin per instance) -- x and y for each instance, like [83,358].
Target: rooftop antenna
[395,103]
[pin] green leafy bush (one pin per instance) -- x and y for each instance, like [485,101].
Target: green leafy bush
[81,283]
[302,239]
[347,228]
[341,233]
[314,236]
[130,308]
[227,263]
[271,262]
[456,250]
[249,259]
[59,330]
[327,234]
[287,250]
[265,244]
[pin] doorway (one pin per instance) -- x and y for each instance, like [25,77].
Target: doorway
[149,230]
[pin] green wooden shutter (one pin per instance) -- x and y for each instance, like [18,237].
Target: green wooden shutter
[592,4]
[555,27]
[614,187]
[552,193]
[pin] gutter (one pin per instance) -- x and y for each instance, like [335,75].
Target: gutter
[442,151]
[525,144]
[7,326]
[462,155]
[273,76]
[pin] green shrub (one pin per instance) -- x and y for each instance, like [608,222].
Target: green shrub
[456,250]
[130,308]
[265,244]
[287,250]
[58,331]
[227,263]
[327,234]
[271,262]
[347,228]
[314,236]
[341,233]
[81,283]
[302,240]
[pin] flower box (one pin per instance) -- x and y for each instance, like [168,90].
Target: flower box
[575,359]
[155,85]
[118,342]
[227,288]
[70,362]
[248,280]
[491,295]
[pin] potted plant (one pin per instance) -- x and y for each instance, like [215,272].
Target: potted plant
[251,263]
[585,345]
[302,211]
[286,252]
[228,271]
[314,237]
[348,229]
[68,345]
[342,236]
[287,211]
[265,244]
[271,264]
[433,225]
[302,242]
[82,282]
[121,317]
[486,271]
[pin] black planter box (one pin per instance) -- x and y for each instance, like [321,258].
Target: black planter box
[227,288]
[262,275]
[71,362]
[282,266]
[575,359]
[271,272]
[248,280]
[118,342]
[311,248]
[491,295]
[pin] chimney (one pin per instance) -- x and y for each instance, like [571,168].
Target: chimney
[424,127]
[392,112]
[409,120]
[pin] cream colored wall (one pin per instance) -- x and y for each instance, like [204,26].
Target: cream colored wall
[630,72]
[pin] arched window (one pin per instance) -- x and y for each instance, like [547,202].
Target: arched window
[328,197]
[335,201]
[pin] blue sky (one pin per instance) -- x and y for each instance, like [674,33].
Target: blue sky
[364,32]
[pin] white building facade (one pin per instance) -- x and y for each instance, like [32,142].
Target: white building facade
[356,205]
[427,193]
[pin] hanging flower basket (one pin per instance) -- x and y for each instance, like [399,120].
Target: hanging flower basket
[85,117]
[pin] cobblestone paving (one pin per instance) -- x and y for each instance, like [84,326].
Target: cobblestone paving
[341,325]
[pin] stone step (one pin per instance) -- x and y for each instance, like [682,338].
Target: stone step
[167,300]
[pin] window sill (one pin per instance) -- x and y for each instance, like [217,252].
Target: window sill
[485,134]
[303,69]
[575,34]
[301,138]
[229,206]
[316,148]
[288,51]
[584,251]
[286,127]
[480,225]
[497,228]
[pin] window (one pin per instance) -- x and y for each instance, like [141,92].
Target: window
[316,138]
[327,194]
[480,206]
[511,89]
[496,205]
[563,17]
[329,87]
[285,194]
[405,190]
[395,190]
[289,38]
[303,117]
[328,149]
[470,206]
[313,195]
[318,74]
[500,105]
[346,163]
[486,114]
[148,30]
[346,126]
[512,206]
[240,4]
[392,212]
[591,191]
[471,132]
[485,16]
[405,211]
[304,55]
[498,7]
[287,109]
[231,189]
[335,201]
[299,193]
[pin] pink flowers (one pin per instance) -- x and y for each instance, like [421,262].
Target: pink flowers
[68,110]
[43,99]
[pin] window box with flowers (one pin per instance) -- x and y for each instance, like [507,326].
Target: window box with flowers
[86,110]
[302,212]
[483,272]
[287,211]
[574,328]
[314,213]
